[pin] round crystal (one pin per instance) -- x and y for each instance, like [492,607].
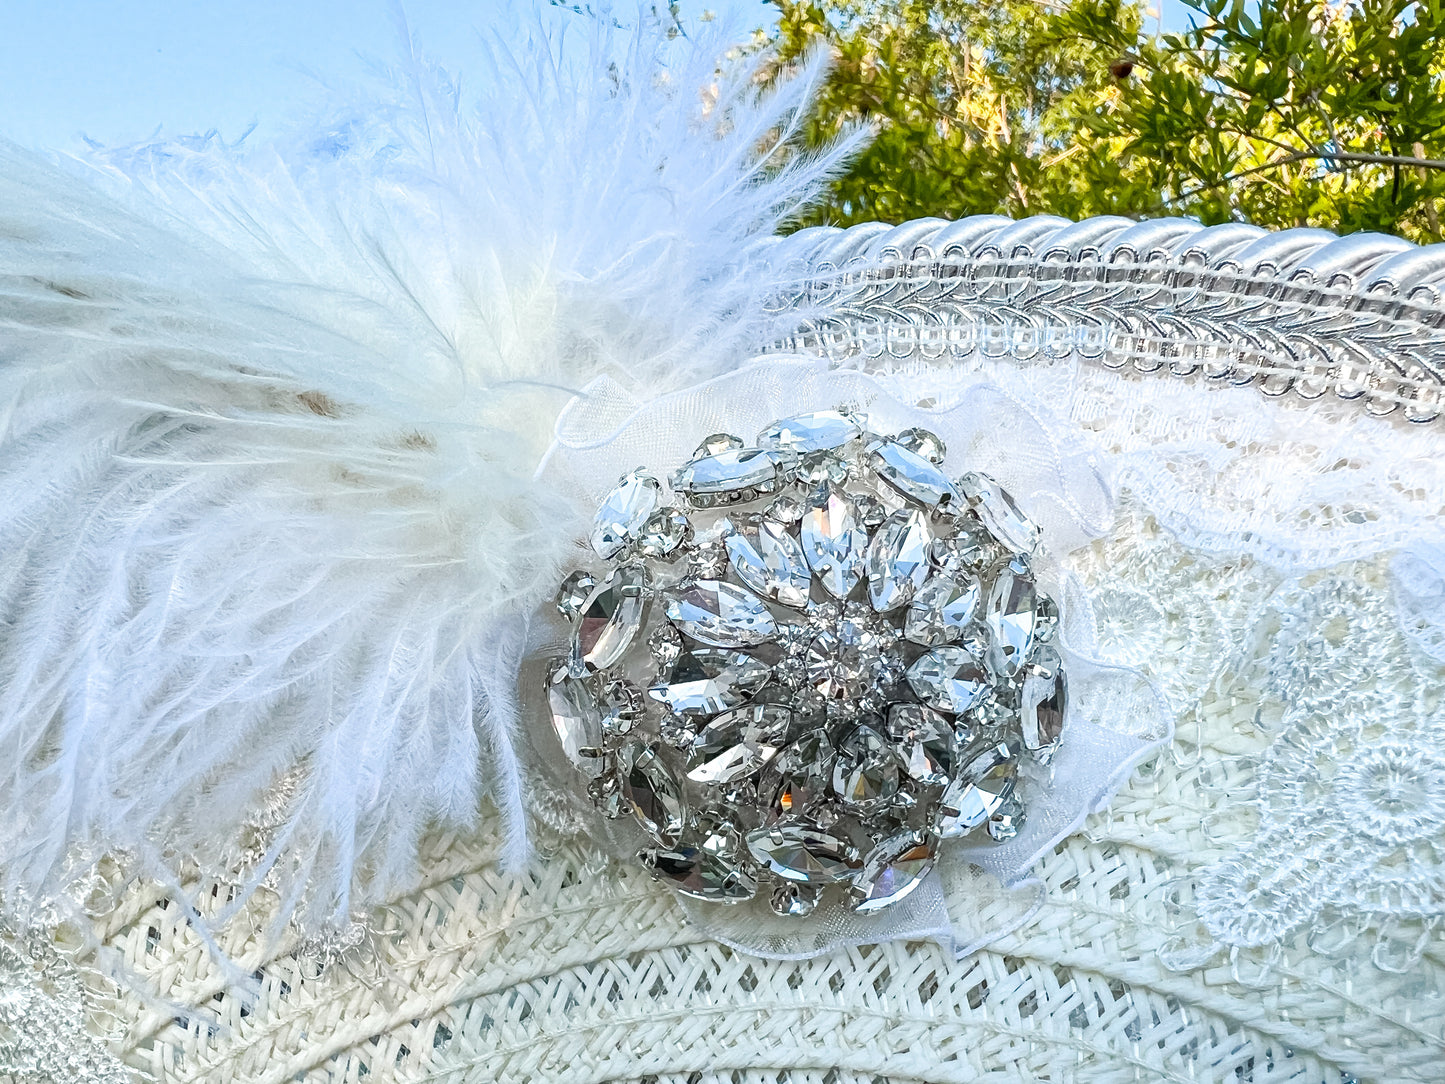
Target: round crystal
[921,441]
[572,595]
[792,898]
[785,509]
[663,532]
[821,468]
[871,511]
[718,442]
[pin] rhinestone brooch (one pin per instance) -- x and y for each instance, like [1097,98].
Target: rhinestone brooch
[807,661]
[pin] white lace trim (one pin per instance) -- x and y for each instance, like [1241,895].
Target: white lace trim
[1420,597]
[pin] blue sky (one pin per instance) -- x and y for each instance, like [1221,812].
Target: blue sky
[116,70]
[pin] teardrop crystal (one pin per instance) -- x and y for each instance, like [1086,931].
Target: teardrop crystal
[923,442]
[717,443]
[979,791]
[891,871]
[664,531]
[925,742]
[572,595]
[942,609]
[796,899]
[797,779]
[951,679]
[865,773]
[819,469]
[1005,821]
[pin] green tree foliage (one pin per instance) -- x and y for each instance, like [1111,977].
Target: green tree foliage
[1278,112]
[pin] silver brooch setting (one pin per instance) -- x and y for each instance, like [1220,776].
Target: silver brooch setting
[803,663]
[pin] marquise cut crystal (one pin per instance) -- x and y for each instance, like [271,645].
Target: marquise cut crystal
[992,504]
[843,670]
[1011,611]
[770,561]
[897,561]
[726,472]
[737,743]
[705,681]
[822,430]
[577,720]
[912,475]
[834,543]
[624,512]
[654,794]
[707,864]
[717,613]
[802,852]
[609,620]
[1043,700]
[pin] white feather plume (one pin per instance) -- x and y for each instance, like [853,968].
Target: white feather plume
[268,524]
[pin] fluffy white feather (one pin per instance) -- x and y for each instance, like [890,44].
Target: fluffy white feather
[270,420]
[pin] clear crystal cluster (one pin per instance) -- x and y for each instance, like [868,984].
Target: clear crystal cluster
[807,661]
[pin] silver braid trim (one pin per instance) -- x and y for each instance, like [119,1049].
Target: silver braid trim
[1299,312]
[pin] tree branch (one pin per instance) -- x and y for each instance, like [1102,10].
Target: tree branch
[1301,156]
